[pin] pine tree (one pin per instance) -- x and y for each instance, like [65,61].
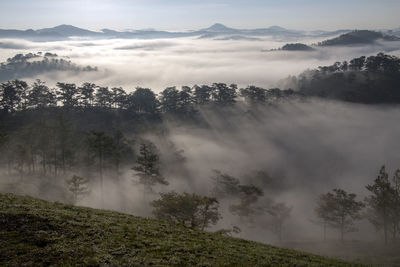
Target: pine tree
[78,186]
[340,210]
[147,168]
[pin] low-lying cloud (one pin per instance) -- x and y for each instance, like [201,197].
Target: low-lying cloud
[186,61]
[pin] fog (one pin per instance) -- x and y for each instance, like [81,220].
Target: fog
[308,147]
[160,63]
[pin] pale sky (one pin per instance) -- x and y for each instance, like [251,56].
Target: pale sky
[195,14]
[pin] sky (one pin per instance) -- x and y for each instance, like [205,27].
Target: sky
[195,14]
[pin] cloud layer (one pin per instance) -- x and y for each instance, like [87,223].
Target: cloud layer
[187,61]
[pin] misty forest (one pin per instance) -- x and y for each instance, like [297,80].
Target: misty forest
[221,146]
[197,155]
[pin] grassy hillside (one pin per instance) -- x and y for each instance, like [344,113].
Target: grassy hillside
[36,232]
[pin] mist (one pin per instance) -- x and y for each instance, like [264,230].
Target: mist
[160,63]
[306,146]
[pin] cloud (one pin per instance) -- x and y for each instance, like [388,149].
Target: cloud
[186,61]
[9,45]
[14,44]
[151,46]
[307,147]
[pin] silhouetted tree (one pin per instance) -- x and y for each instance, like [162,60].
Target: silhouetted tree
[13,95]
[119,97]
[147,168]
[78,186]
[382,203]
[202,94]
[143,101]
[169,100]
[248,195]
[254,94]
[87,96]
[396,205]
[225,185]
[339,209]
[186,101]
[40,96]
[357,64]
[120,150]
[279,212]
[101,145]
[188,209]
[223,94]
[67,93]
[103,97]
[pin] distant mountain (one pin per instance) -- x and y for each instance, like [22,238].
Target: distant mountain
[67,31]
[216,31]
[220,28]
[296,47]
[358,37]
[395,32]
[60,32]
[18,34]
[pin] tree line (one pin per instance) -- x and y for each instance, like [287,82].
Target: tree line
[17,95]
[33,64]
[370,80]
[373,79]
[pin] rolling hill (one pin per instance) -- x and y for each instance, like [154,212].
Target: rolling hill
[36,232]
[358,37]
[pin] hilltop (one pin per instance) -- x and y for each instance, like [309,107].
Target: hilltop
[358,37]
[36,232]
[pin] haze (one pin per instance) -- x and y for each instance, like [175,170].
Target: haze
[306,144]
[193,14]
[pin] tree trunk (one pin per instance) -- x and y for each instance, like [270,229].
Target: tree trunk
[9,166]
[44,162]
[101,177]
[385,232]
[63,159]
[55,162]
[342,231]
[32,160]
[342,235]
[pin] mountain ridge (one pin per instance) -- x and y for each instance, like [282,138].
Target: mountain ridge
[65,31]
[217,30]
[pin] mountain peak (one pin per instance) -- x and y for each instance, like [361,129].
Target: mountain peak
[65,26]
[277,28]
[218,27]
[67,30]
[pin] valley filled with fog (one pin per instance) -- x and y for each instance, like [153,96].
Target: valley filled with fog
[159,63]
[292,144]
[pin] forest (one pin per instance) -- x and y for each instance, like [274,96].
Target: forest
[72,142]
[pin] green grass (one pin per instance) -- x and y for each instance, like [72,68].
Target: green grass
[37,232]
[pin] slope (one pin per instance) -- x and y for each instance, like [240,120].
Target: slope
[36,232]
